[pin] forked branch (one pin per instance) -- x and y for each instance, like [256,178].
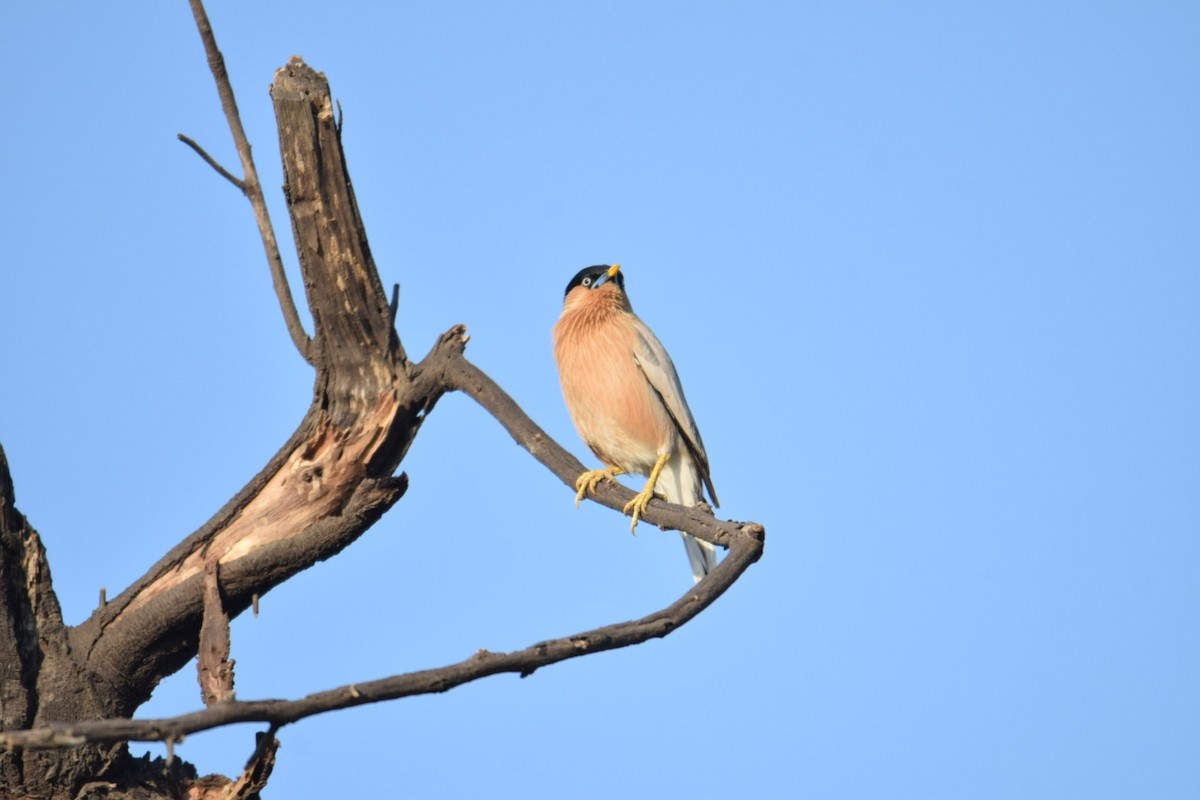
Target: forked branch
[249,185]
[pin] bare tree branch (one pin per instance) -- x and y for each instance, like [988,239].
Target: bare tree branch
[462,375]
[746,546]
[212,162]
[250,185]
[258,769]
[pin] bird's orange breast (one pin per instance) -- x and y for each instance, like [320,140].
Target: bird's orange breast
[612,404]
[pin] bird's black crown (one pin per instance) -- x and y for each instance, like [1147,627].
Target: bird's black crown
[588,275]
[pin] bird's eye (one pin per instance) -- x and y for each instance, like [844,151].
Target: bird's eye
[587,281]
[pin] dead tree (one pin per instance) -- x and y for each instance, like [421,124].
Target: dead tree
[67,693]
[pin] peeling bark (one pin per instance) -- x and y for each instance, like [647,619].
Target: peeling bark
[214,668]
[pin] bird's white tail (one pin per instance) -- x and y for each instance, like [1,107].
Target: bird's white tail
[702,555]
[679,482]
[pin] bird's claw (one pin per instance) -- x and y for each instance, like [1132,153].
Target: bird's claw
[638,504]
[642,499]
[586,483]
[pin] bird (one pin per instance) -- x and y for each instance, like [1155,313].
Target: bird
[625,398]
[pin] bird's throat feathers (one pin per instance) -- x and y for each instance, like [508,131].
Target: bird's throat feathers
[587,307]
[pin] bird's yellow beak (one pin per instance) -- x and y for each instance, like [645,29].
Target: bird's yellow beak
[613,270]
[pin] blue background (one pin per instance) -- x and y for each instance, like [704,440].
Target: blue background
[930,273]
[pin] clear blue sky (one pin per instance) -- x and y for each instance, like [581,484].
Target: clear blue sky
[930,273]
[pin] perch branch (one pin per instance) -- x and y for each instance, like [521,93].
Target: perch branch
[464,376]
[250,185]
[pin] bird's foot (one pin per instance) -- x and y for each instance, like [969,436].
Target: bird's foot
[586,483]
[638,504]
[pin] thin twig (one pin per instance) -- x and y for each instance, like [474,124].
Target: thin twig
[250,185]
[394,306]
[212,162]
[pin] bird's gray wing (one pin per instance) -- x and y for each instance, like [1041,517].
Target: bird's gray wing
[656,365]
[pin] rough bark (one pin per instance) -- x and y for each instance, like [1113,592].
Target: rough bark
[41,680]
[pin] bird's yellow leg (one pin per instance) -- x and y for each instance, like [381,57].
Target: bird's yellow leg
[586,484]
[638,504]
